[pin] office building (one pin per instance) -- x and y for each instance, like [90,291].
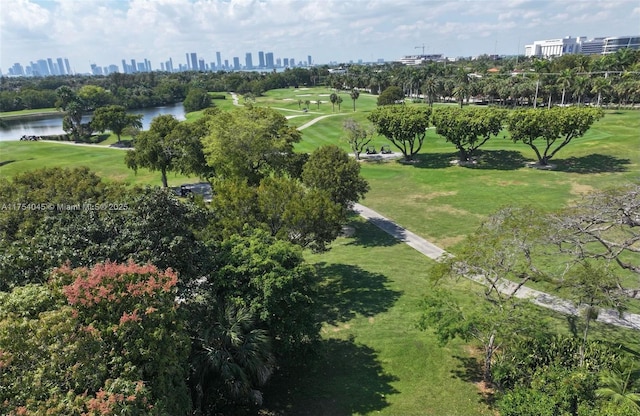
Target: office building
[236,63]
[67,66]
[286,61]
[248,61]
[61,70]
[615,43]
[269,60]
[194,61]
[552,47]
[134,66]
[261,59]
[292,62]
[43,69]
[219,60]
[226,64]
[591,47]
[309,60]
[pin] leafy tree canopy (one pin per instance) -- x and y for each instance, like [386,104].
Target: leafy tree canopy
[404,126]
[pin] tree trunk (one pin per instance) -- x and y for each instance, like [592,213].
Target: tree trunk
[164,178]
[487,358]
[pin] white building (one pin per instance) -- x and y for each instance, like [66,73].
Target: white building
[552,47]
[612,44]
[419,59]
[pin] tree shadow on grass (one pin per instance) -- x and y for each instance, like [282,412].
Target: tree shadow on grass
[343,378]
[499,160]
[471,371]
[348,290]
[594,163]
[6,162]
[369,234]
[431,160]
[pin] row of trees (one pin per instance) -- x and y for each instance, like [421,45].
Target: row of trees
[535,373]
[545,131]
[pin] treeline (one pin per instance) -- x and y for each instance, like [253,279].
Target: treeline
[143,90]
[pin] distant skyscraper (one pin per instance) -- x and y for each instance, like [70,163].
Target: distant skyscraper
[286,61]
[236,63]
[67,66]
[201,65]
[113,68]
[226,64]
[261,59]
[60,66]
[309,60]
[52,70]
[194,61]
[219,60]
[134,66]
[43,69]
[188,62]
[147,65]
[292,62]
[248,61]
[269,60]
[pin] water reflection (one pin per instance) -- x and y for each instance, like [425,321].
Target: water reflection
[46,125]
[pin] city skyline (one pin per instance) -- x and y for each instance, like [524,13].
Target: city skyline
[106,31]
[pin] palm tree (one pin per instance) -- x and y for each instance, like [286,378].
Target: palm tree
[230,359]
[334,99]
[565,79]
[339,101]
[429,89]
[460,92]
[600,86]
[617,385]
[355,94]
[580,85]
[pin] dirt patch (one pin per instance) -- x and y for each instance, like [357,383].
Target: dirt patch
[580,189]
[432,195]
[371,319]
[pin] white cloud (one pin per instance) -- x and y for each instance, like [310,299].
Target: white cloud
[106,31]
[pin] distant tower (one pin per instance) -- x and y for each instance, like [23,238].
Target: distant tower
[67,66]
[219,60]
[188,63]
[194,61]
[261,59]
[309,60]
[124,67]
[269,60]
[236,63]
[248,61]
[61,67]
[52,70]
[134,66]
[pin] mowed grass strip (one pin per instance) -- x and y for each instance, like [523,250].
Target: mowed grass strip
[108,163]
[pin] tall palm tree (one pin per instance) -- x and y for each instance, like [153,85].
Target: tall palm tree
[580,86]
[334,99]
[460,92]
[355,94]
[429,89]
[565,79]
[601,86]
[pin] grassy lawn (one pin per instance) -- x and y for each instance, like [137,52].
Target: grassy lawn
[21,113]
[16,157]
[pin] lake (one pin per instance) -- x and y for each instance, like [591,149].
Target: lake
[47,125]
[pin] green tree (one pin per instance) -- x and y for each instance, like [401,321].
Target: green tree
[197,99]
[554,127]
[94,96]
[430,90]
[620,385]
[115,118]
[154,148]
[330,169]
[391,95]
[339,101]
[269,278]
[249,143]
[357,136]
[403,126]
[354,94]
[467,129]
[566,79]
[334,99]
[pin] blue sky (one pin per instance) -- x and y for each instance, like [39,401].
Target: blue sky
[106,31]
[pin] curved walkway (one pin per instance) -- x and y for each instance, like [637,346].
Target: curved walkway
[625,320]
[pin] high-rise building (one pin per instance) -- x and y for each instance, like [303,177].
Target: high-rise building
[248,61]
[194,61]
[219,60]
[261,59]
[269,60]
[61,70]
[147,65]
[188,62]
[16,70]
[236,63]
[292,62]
[615,43]
[226,64]
[286,61]
[134,66]
[309,60]
[113,68]
[201,65]
[43,69]
[67,66]
[52,70]
[124,67]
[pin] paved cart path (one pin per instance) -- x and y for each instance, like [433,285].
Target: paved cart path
[626,320]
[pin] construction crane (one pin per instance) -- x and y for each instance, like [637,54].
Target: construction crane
[420,47]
